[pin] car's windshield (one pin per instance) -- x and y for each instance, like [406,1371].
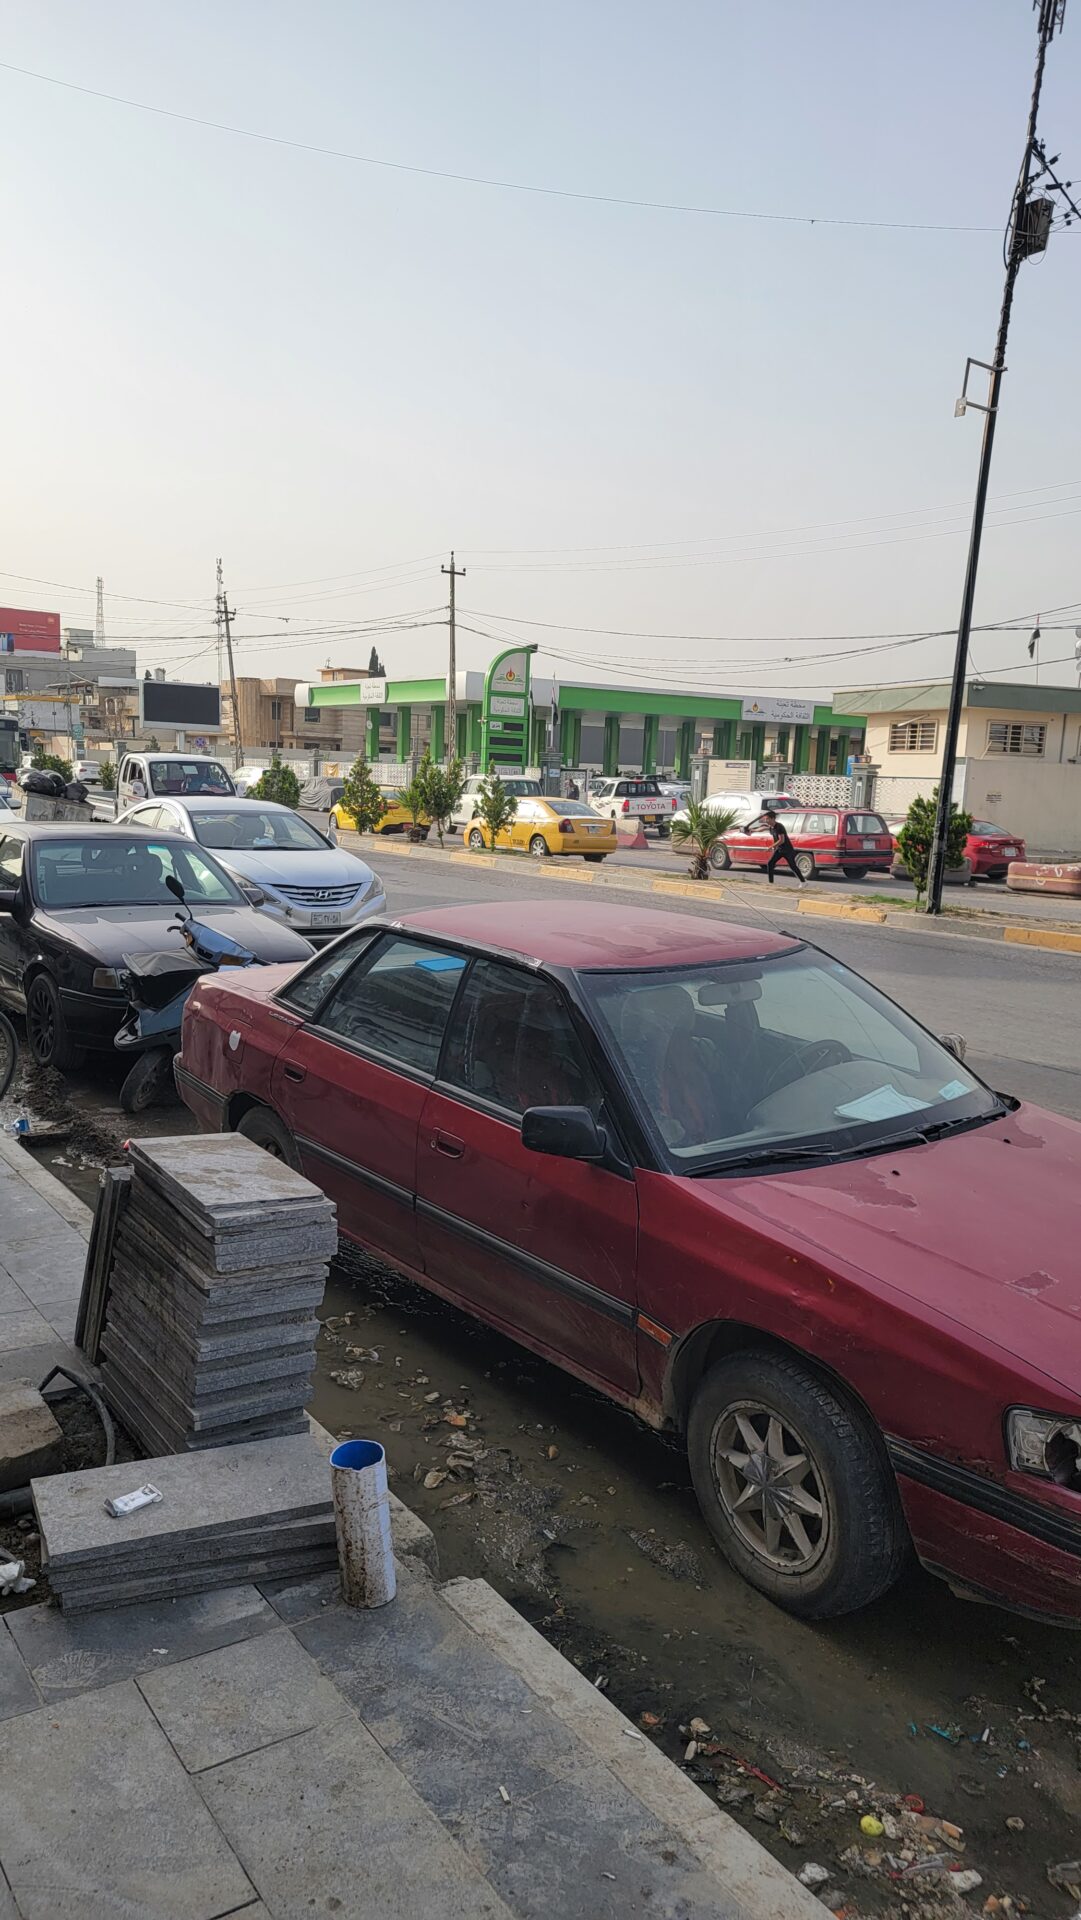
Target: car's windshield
[570,808]
[256,829]
[189,776]
[774,1054]
[126,870]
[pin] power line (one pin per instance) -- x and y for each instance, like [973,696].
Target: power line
[482,180]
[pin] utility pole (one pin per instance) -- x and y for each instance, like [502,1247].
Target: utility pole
[99,617]
[1030,224]
[450,728]
[228,613]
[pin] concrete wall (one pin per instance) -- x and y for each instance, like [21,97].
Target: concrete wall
[1038,799]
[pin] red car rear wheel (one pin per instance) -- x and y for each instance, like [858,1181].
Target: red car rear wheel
[272,1134]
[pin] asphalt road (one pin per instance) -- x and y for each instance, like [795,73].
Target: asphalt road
[588,1522]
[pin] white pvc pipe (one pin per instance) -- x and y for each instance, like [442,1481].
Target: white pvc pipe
[358,1477]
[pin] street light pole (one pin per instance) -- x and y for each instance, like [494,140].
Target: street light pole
[1027,235]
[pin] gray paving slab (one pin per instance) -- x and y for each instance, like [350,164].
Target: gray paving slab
[151,1557]
[101,1822]
[216,1180]
[33,1363]
[300,1562]
[276,1479]
[12,1297]
[72,1654]
[18,1693]
[324,1822]
[23,1329]
[159,1437]
[30,1440]
[186,1387]
[223,1704]
[171,1249]
[8,1909]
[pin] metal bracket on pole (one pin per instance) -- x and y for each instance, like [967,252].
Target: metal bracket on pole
[965,402]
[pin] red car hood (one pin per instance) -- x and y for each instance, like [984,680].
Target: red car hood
[984,1227]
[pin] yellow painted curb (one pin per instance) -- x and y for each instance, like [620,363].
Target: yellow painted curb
[839,910]
[1038,937]
[688,889]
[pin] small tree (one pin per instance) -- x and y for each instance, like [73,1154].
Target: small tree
[153,745]
[700,832]
[442,787]
[108,777]
[916,839]
[279,783]
[361,798]
[51,763]
[413,798]
[496,807]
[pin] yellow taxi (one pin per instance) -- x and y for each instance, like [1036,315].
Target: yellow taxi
[541,827]
[394,819]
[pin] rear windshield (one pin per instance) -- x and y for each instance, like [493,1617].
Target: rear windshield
[570,809]
[189,776]
[865,823]
[122,870]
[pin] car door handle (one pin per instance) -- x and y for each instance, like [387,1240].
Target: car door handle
[295,1073]
[447,1143]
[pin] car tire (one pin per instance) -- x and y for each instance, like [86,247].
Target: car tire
[150,1077]
[719,858]
[663,832]
[855,873]
[594,858]
[265,1130]
[47,1029]
[539,847]
[475,839]
[859,1544]
[805,866]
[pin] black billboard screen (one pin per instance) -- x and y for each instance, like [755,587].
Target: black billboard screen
[177,703]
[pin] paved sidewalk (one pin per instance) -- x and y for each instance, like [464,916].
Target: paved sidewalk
[266,1752]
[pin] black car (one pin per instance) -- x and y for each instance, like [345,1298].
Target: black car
[76,900]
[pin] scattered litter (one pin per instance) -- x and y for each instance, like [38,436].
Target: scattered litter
[553,1453]
[699,1728]
[649,1720]
[351,1377]
[790,1830]
[966,1881]
[813,1875]
[159,1649]
[456,1419]
[691,1752]
[950,1733]
[434,1478]
[430,1399]
[1067,1876]
[872,1826]
[744,1766]
[458,1499]
[631,1733]
[607,1876]
[504,1795]
[14,1578]
[1015,1823]
[147,1496]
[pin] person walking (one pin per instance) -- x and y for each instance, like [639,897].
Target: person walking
[782,845]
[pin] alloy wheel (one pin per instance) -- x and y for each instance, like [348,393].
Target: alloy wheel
[40,1025]
[771,1487]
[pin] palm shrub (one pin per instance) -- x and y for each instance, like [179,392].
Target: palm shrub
[699,831]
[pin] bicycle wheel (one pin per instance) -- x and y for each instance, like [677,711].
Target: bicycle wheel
[9,1053]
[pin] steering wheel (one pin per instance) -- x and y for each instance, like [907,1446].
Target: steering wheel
[810,1058]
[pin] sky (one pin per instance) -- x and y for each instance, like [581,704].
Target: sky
[696,450]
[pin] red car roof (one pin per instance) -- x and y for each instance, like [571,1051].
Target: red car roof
[585,933]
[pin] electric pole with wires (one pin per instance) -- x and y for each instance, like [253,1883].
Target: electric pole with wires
[450,727]
[1031,215]
[225,614]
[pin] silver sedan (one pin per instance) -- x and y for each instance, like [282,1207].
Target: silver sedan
[284,866]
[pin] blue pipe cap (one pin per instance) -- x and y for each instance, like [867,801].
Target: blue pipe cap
[357,1454]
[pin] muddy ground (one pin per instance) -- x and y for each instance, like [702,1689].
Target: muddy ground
[586,1521]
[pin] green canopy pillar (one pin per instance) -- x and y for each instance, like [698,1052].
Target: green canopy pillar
[650,737]
[439,721]
[801,750]
[722,740]
[611,743]
[405,729]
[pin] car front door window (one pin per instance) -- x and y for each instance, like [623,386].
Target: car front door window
[512,1044]
[397,1004]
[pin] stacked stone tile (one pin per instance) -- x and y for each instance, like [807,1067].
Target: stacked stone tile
[219,1264]
[233,1515]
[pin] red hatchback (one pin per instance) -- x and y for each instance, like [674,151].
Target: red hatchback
[721,1178]
[825,840]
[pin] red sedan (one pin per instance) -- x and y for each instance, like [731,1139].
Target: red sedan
[721,1178]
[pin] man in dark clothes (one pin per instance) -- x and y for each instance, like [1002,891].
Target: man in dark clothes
[782,845]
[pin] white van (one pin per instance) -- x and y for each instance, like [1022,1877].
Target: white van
[516,783]
[154,776]
[746,806]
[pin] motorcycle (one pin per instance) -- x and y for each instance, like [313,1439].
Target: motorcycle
[157,986]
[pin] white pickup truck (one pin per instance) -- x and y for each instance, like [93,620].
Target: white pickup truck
[634,798]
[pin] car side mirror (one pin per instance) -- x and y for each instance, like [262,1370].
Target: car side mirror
[954,1043]
[9,899]
[571,1133]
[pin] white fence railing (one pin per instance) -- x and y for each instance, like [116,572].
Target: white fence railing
[820,789]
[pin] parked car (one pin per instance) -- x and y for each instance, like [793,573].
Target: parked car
[88,771]
[715,1174]
[542,827]
[746,806]
[166,776]
[321,794]
[282,864]
[245,778]
[395,818]
[639,798]
[75,901]
[988,848]
[824,839]
[519,784]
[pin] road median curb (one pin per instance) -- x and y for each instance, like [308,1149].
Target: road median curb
[843,910]
[1042,937]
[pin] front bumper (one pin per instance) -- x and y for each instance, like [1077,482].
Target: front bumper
[983,1537]
[302,919]
[93,1019]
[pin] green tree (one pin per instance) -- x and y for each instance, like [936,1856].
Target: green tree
[50,763]
[916,838]
[496,807]
[108,777]
[412,798]
[153,745]
[361,798]
[442,787]
[278,783]
[699,831]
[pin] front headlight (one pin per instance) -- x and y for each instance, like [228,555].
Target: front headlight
[106,980]
[1048,1444]
[253,895]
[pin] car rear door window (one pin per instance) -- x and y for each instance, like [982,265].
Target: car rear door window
[512,1043]
[397,1003]
[307,990]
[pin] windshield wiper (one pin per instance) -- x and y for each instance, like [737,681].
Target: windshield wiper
[770,1156]
[918,1137]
